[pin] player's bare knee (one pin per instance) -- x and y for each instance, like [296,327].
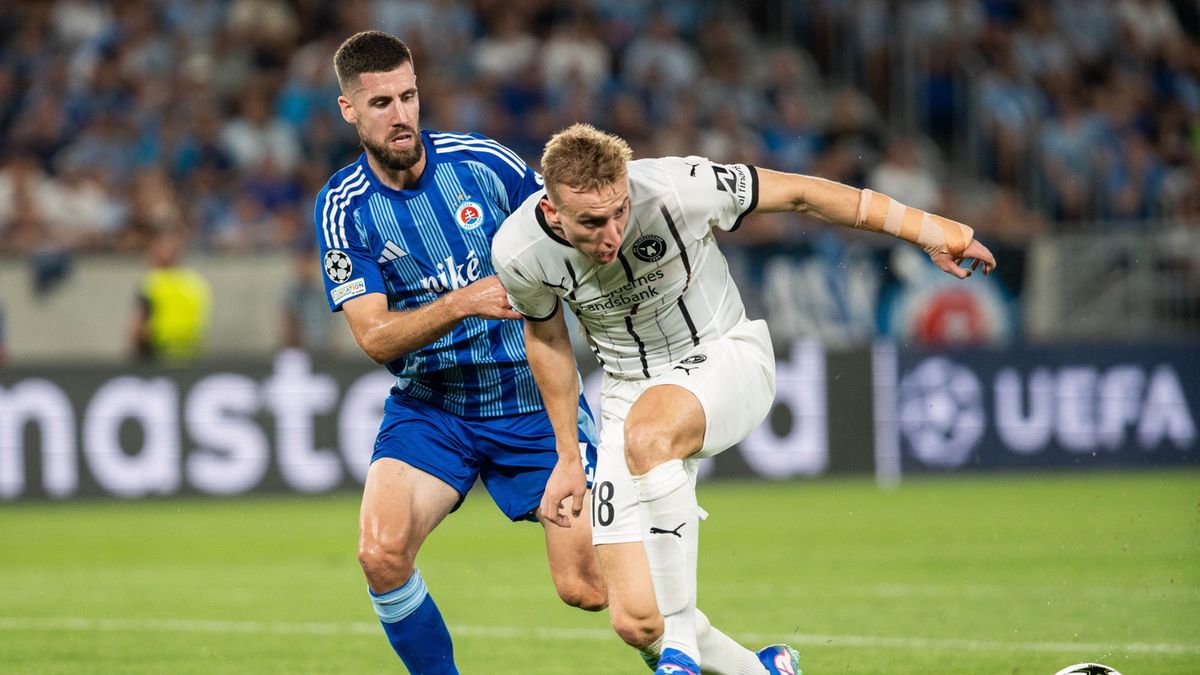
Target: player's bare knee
[386,562]
[647,446]
[636,629]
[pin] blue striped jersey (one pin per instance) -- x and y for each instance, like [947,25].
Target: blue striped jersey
[415,245]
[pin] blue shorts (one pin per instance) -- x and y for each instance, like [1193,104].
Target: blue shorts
[513,455]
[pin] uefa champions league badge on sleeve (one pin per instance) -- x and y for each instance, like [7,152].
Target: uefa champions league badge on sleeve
[338,266]
[1087,669]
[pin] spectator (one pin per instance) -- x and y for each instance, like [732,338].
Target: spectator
[1089,26]
[99,92]
[659,60]
[1040,48]
[1135,183]
[901,173]
[508,50]
[87,213]
[1010,105]
[1149,27]
[3,340]
[791,136]
[244,226]
[854,125]
[1070,145]
[254,135]
[575,56]
[26,194]
[307,322]
[1181,197]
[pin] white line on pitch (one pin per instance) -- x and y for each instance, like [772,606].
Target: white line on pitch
[525,633]
[1187,594]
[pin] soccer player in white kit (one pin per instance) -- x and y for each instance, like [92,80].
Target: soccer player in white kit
[629,246]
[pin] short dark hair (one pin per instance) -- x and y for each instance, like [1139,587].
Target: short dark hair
[370,51]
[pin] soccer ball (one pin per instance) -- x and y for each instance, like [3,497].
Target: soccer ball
[1087,669]
[338,266]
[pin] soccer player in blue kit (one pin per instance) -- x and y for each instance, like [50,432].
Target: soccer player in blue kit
[405,238]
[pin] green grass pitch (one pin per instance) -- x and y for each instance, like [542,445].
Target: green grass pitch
[1011,574]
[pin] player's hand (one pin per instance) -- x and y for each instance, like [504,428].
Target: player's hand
[976,252]
[567,483]
[487,299]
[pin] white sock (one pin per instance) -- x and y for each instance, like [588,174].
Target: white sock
[651,653]
[722,654]
[670,519]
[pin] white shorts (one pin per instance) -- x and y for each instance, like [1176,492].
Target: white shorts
[734,380]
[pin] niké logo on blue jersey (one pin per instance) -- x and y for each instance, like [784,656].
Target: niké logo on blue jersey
[453,275]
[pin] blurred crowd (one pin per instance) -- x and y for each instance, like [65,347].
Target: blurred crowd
[218,118]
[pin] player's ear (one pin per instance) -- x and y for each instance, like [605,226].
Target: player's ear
[348,112]
[548,209]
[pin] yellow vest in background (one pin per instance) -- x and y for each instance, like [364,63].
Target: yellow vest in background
[178,303]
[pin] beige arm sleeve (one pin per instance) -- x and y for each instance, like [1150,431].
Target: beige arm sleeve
[880,213]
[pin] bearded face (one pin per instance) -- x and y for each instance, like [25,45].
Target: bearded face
[398,151]
[385,110]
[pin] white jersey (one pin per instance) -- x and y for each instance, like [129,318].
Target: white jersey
[669,289]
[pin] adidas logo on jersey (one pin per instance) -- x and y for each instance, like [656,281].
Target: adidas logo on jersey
[391,252]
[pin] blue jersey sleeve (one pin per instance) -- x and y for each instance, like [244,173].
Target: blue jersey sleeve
[348,267]
[519,181]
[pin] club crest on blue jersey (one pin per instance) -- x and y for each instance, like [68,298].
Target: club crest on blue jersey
[469,215]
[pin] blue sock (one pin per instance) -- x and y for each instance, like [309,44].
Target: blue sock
[415,628]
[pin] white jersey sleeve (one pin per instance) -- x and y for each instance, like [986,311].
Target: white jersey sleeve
[719,195]
[532,298]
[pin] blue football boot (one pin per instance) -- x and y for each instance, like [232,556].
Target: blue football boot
[674,662]
[780,660]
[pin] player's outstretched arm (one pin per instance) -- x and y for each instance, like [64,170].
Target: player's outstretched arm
[947,242]
[386,335]
[548,347]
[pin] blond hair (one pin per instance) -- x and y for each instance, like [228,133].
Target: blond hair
[582,157]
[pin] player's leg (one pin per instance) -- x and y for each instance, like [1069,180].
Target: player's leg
[665,426]
[635,616]
[692,411]
[631,604]
[618,534]
[518,453]
[573,564]
[401,506]
[422,466]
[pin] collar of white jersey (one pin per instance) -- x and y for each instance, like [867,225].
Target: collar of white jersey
[541,220]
